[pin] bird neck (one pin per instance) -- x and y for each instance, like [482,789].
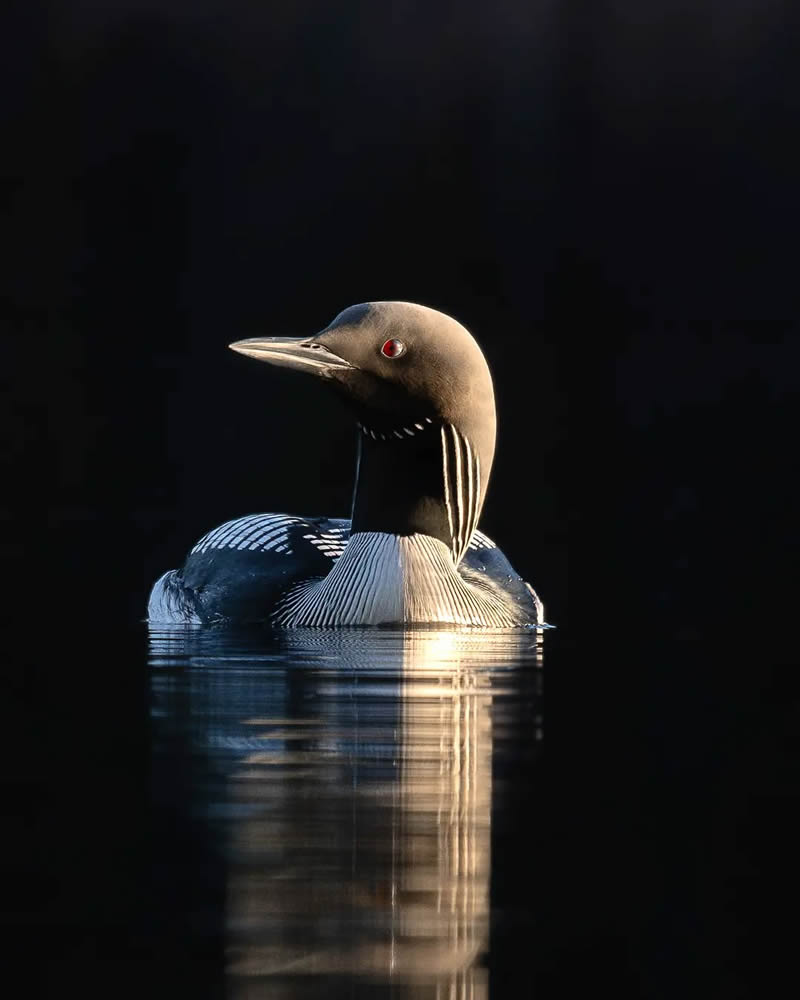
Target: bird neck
[423,478]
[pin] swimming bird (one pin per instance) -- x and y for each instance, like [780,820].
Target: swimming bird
[420,392]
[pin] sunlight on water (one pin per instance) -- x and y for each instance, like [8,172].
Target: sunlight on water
[347,778]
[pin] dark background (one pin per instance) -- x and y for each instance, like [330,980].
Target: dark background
[606,195]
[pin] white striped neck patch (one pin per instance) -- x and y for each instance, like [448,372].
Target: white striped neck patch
[461,470]
[411,429]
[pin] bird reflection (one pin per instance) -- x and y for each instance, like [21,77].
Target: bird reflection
[354,798]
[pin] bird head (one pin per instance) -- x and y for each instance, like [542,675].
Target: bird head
[395,364]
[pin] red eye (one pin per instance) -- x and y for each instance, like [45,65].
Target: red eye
[393,349]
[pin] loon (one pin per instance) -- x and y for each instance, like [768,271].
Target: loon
[421,394]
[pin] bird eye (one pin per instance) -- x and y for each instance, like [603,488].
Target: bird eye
[393,349]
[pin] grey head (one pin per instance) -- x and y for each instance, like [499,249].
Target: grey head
[421,393]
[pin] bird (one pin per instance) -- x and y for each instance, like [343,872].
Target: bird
[420,392]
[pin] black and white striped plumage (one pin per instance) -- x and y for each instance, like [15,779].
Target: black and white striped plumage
[462,487]
[269,567]
[424,407]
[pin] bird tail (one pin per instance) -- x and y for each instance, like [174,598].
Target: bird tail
[538,604]
[171,601]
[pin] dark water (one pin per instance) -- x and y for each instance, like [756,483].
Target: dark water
[340,791]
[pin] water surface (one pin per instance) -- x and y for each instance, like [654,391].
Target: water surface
[344,782]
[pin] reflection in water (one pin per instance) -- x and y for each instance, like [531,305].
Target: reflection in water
[347,777]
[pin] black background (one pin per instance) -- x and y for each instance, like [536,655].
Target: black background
[606,195]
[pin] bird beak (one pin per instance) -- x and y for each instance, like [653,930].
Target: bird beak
[300,353]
